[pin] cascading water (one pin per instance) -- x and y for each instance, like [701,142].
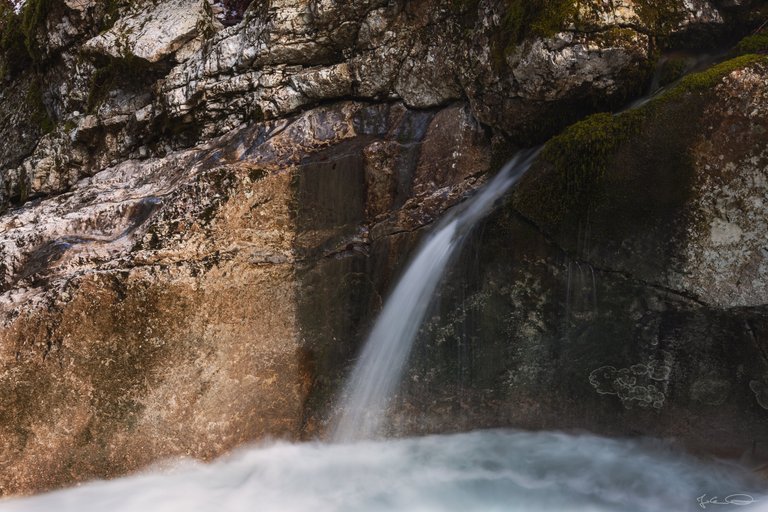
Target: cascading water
[493,470]
[379,369]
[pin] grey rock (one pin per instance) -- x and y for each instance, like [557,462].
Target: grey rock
[155,32]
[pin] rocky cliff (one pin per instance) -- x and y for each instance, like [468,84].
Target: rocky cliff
[204,207]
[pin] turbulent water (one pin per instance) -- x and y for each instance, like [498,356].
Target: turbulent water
[480,471]
[379,369]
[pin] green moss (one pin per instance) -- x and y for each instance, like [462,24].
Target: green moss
[756,43]
[579,158]
[536,18]
[671,70]
[660,16]
[33,17]
[526,19]
[705,80]
[19,33]
[15,57]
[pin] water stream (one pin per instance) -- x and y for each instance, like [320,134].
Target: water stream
[379,369]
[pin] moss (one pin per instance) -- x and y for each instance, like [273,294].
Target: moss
[526,19]
[19,33]
[578,159]
[33,17]
[756,43]
[660,16]
[671,70]
[705,80]
[15,56]
[536,18]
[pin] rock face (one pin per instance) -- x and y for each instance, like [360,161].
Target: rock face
[623,294]
[200,222]
[174,77]
[155,32]
[156,304]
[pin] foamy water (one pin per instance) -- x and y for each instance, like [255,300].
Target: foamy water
[487,471]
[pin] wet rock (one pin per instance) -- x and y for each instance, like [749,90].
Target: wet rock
[576,314]
[689,233]
[117,299]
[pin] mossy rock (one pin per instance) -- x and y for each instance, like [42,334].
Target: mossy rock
[622,167]
[15,57]
[706,80]
[33,17]
[660,16]
[528,19]
[671,70]
[578,160]
[20,32]
[537,18]
[755,43]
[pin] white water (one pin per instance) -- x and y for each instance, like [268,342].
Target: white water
[379,369]
[484,471]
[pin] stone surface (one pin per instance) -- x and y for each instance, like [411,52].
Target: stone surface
[200,223]
[726,261]
[157,309]
[288,56]
[155,32]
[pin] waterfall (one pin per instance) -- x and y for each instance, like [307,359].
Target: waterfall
[378,371]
